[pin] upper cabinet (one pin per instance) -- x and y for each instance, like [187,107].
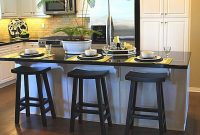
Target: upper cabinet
[82,9]
[164,8]
[9,8]
[29,8]
[21,8]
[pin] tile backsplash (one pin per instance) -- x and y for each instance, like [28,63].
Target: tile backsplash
[41,27]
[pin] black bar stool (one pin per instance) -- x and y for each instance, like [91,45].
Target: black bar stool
[24,103]
[135,77]
[77,108]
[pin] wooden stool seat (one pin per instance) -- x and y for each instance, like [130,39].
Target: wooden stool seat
[78,73]
[26,101]
[102,109]
[30,70]
[133,110]
[145,77]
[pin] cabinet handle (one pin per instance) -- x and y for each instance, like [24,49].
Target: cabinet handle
[165,13]
[166,22]
[161,13]
[161,22]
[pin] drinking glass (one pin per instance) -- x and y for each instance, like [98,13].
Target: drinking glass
[48,48]
[106,49]
[167,50]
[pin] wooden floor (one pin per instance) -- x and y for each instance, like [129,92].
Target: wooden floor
[60,126]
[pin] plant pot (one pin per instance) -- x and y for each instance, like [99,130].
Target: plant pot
[76,47]
[24,36]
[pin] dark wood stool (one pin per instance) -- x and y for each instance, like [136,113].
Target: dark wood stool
[135,77]
[24,103]
[77,108]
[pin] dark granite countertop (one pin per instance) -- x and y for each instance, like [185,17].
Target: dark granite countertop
[180,60]
[13,41]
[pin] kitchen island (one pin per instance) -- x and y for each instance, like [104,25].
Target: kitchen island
[176,87]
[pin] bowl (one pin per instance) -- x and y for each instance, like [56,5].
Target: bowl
[91,52]
[147,54]
[30,51]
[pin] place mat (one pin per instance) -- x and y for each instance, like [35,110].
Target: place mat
[75,58]
[166,61]
[17,55]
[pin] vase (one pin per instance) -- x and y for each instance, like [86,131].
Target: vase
[76,47]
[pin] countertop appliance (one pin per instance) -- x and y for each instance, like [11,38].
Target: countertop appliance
[118,16]
[60,7]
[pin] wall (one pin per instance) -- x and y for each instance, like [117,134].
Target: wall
[35,25]
[195,44]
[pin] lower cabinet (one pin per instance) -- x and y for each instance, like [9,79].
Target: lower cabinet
[6,77]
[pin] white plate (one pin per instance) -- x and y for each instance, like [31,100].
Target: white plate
[148,59]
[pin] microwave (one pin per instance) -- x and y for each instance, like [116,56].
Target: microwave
[60,7]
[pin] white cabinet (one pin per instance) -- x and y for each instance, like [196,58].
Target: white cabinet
[6,77]
[151,34]
[9,8]
[29,8]
[21,8]
[164,23]
[83,9]
[156,33]
[164,8]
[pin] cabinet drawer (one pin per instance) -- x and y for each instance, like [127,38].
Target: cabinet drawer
[5,49]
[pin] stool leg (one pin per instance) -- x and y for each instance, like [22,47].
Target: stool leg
[100,106]
[73,106]
[160,111]
[134,103]
[48,91]
[130,108]
[163,105]
[105,95]
[17,102]
[26,86]
[41,100]
[80,99]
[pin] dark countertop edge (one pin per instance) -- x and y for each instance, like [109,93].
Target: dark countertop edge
[18,41]
[98,63]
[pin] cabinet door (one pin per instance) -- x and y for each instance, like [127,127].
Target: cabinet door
[176,8]
[5,71]
[9,8]
[82,8]
[176,34]
[26,8]
[151,8]
[37,11]
[151,34]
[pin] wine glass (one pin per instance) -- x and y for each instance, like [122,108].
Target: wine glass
[106,49]
[167,50]
[48,48]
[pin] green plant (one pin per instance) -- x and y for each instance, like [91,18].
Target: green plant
[75,32]
[24,32]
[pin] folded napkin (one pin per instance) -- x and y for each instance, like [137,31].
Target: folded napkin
[75,58]
[164,61]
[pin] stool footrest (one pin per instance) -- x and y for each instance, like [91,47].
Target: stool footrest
[146,109]
[140,116]
[47,109]
[22,101]
[22,108]
[88,111]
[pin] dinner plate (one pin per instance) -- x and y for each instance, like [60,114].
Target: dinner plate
[31,55]
[84,57]
[154,59]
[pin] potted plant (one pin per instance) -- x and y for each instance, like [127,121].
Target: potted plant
[24,34]
[78,35]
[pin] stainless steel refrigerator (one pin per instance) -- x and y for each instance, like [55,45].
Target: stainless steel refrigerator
[118,16]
